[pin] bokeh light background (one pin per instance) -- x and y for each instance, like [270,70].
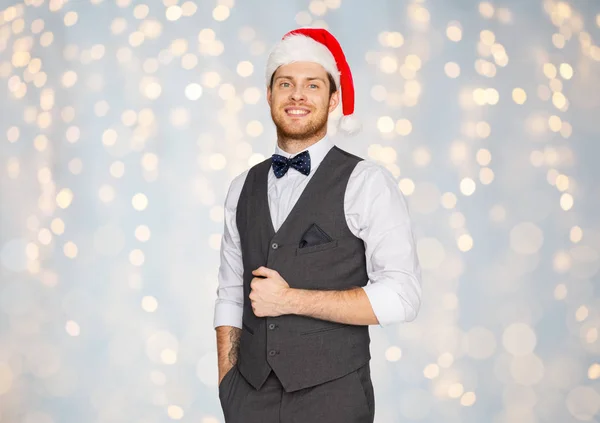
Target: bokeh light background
[123,122]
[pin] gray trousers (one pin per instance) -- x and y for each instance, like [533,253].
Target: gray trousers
[349,399]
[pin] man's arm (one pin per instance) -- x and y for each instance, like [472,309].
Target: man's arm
[230,292]
[271,295]
[228,348]
[350,307]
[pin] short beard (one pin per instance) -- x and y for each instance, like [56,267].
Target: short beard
[310,131]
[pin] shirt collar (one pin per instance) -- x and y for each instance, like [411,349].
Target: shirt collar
[317,151]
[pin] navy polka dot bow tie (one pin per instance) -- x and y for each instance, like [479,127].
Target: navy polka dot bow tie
[300,162]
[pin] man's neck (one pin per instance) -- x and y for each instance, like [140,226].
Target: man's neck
[293,146]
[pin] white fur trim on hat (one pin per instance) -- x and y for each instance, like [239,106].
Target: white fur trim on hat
[350,124]
[300,48]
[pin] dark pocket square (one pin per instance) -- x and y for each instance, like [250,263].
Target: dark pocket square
[314,235]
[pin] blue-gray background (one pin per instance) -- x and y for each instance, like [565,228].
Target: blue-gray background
[123,122]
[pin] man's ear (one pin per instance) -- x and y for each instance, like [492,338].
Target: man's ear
[269,95]
[334,100]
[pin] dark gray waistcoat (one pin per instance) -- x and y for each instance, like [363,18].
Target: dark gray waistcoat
[302,351]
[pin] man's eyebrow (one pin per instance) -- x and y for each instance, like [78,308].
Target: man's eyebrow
[311,78]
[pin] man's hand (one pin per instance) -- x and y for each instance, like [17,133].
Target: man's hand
[269,293]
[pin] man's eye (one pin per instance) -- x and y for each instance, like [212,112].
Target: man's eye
[314,86]
[284,84]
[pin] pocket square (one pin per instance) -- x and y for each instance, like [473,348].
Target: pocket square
[314,235]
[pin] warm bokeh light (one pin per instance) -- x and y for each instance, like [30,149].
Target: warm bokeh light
[124,122]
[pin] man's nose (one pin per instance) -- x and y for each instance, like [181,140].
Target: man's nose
[298,94]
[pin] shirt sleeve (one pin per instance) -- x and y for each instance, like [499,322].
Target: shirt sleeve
[377,212]
[230,291]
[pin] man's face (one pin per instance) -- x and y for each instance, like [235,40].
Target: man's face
[300,100]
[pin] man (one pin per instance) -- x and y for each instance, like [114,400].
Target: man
[305,231]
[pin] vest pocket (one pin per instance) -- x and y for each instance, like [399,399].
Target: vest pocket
[315,248]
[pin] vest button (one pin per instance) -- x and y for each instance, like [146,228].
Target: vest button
[274,245]
[272,326]
[272,353]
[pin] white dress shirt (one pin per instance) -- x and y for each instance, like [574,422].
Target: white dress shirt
[375,210]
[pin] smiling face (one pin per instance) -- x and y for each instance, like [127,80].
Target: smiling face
[301,100]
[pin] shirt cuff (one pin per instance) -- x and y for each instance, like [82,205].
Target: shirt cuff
[228,314]
[386,303]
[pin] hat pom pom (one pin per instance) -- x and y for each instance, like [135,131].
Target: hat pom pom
[350,124]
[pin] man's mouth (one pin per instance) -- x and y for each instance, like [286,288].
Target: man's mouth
[296,112]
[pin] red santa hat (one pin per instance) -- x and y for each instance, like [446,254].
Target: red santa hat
[319,46]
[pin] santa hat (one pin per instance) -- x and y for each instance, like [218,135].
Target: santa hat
[319,46]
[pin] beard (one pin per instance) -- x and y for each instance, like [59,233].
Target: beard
[299,131]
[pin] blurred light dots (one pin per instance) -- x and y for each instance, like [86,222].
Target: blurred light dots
[141,11]
[445,360]
[594,369]
[136,257]
[149,161]
[452,70]
[549,70]
[173,13]
[117,169]
[421,156]
[217,161]
[454,31]
[139,201]
[251,95]
[581,313]
[566,71]
[72,328]
[168,356]
[486,9]
[403,127]
[70,18]
[519,339]
[57,226]
[45,236]
[220,13]
[106,193]
[465,242]
[519,96]
[149,304]
[468,399]
[407,186]
[64,198]
[70,249]
[393,353]
[391,39]
[467,186]
[448,200]
[486,175]
[431,371]
[385,124]
[254,128]
[142,233]
[575,234]
[455,390]
[388,64]
[175,412]
[245,69]
[69,79]
[566,201]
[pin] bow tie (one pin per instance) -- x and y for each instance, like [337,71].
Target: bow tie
[300,162]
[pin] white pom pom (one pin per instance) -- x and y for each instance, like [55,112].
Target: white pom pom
[350,125]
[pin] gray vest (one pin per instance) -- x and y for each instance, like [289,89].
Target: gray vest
[302,351]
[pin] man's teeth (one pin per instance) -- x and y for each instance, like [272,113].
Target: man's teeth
[297,112]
